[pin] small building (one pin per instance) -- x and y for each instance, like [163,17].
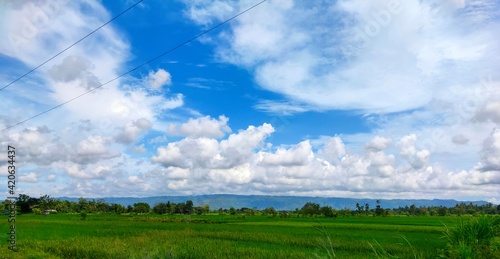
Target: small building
[46,212]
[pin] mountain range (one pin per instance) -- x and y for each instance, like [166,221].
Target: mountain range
[226,201]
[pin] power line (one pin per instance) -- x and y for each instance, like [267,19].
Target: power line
[137,67]
[64,50]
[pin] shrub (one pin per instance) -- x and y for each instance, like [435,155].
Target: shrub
[83,215]
[472,238]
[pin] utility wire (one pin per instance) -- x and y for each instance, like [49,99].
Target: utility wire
[137,67]
[64,50]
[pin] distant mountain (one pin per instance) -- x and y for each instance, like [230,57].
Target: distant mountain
[226,201]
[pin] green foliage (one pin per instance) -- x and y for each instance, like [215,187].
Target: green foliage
[226,236]
[37,211]
[380,252]
[83,215]
[160,208]
[269,211]
[325,242]
[327,211]
[311,209]
[473,238]
[141,207]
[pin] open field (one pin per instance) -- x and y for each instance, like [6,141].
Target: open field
[223,236]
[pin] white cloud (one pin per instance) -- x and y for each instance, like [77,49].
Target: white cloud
[295,156]
[489,111]
[203,152]
[407,145]
[158,79]
[131,131]
[379,143]
[279,108]
[333,150]
[75,68]
[315,54]
[158,139]
[29,177]
[139,149]
[490,154]
[97,172]
[432,63]
[51,178]
[460,139]
[202,127]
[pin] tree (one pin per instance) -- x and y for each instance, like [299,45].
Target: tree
[141,207]
[24,203]
[101,206]
[378,210]
[327,211]
[118,208]
[160,208]
[232,211]
[359,208]
[170,208]
[199,210]
[46,202]
[270,210]
[442,211]
[179,208]
[310,209]
[367,208]
[188,208]
[82,204]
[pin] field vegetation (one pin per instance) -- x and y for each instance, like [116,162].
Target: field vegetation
[198,232]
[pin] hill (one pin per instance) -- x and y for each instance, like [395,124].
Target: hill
[216,201]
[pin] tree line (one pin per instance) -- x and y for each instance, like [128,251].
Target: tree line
[46,204]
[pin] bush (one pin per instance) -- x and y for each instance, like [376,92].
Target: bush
[37,211]
[473,238]
[83,215]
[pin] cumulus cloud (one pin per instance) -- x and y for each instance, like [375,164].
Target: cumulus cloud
[379,143]
[131,131]
[490,155]
[29,177]
[92,149]
[75,68]
[206,152]
[139,149]
[333,150]
[51,178]
[202,127]
[490,111]
[371,58]
[156,80]
[295,156]
[98,172]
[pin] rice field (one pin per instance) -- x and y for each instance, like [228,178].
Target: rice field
[225,236]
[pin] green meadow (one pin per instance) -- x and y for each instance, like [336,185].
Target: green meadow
[226,236]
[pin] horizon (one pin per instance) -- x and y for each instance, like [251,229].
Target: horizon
[385,100]
[269,195]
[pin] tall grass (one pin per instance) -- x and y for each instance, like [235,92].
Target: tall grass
[325,242]
[473,238]
[380,252]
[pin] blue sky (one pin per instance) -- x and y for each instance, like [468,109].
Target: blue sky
[387,99]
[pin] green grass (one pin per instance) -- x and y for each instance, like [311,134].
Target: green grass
[214,236]
[474,238]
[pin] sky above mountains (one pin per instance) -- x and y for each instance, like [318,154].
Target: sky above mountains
[379,99]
